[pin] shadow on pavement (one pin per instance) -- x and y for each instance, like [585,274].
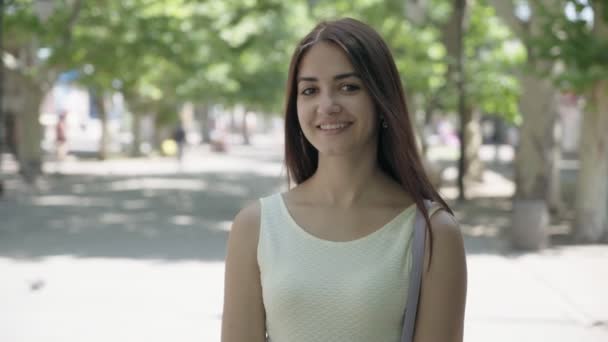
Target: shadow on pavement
[484,223]
[165,217]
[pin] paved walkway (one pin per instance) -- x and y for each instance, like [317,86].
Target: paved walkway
[132,250]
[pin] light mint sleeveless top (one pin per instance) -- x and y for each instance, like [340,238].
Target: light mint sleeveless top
[318,290]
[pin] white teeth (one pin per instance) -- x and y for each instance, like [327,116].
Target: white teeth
[333,126]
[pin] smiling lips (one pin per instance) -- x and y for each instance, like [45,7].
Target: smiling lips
[334,126]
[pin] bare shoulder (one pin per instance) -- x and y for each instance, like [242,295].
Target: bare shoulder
[249,216]
[446,257]
[448,245]
[246,225]
[445,228]
[444,284]
[243,313]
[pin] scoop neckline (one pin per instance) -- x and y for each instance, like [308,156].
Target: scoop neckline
[292,222]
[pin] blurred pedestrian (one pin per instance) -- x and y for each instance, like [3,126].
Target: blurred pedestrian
[219,141]
[330,259]
[61,136]
[179,136]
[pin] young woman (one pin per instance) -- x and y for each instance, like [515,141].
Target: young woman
[329,260]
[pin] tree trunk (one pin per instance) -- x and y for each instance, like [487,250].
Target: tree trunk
[202,111]
[592,185]
[453,40]
[536,154]
[29,134]
[533,161]
[233,128]
[473,139]
[245,129]
[103,120]
[591,224]
[23,97]
[158,135]
[136,132]
[554,190]
[534,164]
[459,13]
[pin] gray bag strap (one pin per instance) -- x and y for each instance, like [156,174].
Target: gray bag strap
[413,294]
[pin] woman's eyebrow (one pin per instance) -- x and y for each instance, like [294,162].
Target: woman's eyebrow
[346,75]
[337,77]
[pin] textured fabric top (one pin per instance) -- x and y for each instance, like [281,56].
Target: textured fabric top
[319,290]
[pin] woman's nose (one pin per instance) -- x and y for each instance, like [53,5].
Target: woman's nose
[327,105]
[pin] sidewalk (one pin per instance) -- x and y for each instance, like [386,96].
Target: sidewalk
[133,250]
[557,294]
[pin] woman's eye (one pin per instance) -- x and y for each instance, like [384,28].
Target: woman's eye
[350,87]
[308,91]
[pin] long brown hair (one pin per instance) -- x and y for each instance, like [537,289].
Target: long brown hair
[371,58]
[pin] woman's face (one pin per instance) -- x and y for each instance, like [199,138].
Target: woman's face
[335,110]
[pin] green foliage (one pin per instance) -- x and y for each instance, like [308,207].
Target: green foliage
[164,53]
[21,23]
[492,56]
[581,54]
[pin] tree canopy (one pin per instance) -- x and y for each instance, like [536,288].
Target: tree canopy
[237,51]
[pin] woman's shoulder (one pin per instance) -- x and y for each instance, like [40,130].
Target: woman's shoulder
[448,243]
[444,223]
[248,218]
[245,227]
[249,215]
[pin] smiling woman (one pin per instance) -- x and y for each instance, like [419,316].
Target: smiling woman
[335,111]
[331,259]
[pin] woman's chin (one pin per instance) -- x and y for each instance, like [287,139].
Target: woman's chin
[336,151]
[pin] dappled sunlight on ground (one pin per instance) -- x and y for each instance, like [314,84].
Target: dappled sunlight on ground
[157,183]
[103,253]
[138,216]
[125,249]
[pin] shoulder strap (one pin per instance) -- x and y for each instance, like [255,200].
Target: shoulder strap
[413,294]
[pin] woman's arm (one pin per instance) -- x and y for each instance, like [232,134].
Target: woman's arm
[444,284]
[243,319]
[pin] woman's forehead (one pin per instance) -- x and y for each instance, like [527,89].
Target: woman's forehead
[324,60]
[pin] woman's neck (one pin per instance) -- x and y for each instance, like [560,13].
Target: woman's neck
[344,181]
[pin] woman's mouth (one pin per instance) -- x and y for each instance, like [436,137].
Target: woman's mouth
[334,127]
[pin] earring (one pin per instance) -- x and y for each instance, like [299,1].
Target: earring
[383,121]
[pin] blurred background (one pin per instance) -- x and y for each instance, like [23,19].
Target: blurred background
[132,132]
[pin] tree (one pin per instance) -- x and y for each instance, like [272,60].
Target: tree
[580,46]
[571,52]
[476,76]
[236,55]
[535,162]
[127,47]
[459,74]
[28,26]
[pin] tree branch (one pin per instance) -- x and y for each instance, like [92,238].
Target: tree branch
[600,19]
[67,36]
[505,9]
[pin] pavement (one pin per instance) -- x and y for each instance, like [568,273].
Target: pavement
[133,250]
